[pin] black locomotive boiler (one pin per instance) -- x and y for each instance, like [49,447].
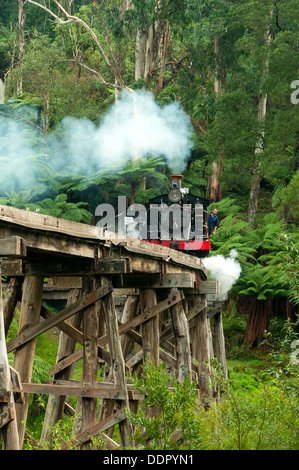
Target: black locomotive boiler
[178,233]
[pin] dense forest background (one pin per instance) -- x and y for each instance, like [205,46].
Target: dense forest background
[216,84]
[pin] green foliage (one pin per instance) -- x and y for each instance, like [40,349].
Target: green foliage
[289,245]
[290,198]
[175,408]
[57,207]
[252,414]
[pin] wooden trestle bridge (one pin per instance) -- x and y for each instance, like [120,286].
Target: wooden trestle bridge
[126,300]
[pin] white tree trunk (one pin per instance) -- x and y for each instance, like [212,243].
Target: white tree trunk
[262,110]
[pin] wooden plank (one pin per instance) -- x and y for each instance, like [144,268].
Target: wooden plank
[156,281]
[68,282]
[77,268]
[9,434]
[12,295]
[130,310]
[12,246]
[135,359]
[68,361]
[125,291]
[66,327]
[90,325]
[79,239]
[63,315]
[150,327]
[219,342]
[12,268]
[196,309]
[100,427]
[85,390]
[24,357]
[99,385]
[37,221]
[208,287]
[201,351]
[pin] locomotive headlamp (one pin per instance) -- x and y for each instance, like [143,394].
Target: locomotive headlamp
[174,195]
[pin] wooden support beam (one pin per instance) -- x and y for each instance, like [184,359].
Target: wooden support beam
[10,435]
[69,336]
[12,295]
[151,309]
[125,328]
[77,268]
[11,267]
[12,246]
[65,282]
[66,326]
[129,312]
[118,363]
[24,357]
[219,343]
[100,427]
[150,335]
[90,357]
[83,390]
[182,342]
[16,385]
[75,335]
[150,328]
[156,281]
[201,350]
[63,315]
[208,287]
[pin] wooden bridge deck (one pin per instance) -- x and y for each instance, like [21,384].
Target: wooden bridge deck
[164,318]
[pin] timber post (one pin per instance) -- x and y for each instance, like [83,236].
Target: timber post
[66,347]
[164,319]
[8,423]
[24,355]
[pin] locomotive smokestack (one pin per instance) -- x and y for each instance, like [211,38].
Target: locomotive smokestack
[176,181]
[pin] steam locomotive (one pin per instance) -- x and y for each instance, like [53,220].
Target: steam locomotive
[179,232]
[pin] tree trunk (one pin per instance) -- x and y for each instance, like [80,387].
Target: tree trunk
[259,312]
[217,166]
[21,46]
[2,92]
[262,108]
[254,196]
[164,43]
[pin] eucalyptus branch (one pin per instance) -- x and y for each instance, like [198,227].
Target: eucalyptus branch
[95,72]
[75,19]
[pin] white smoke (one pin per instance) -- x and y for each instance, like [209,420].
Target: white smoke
[134,127]
[224,270]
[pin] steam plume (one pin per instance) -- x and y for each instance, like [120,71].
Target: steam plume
[134,127]
[224,270]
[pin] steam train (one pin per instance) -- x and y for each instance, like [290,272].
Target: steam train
[179,232]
